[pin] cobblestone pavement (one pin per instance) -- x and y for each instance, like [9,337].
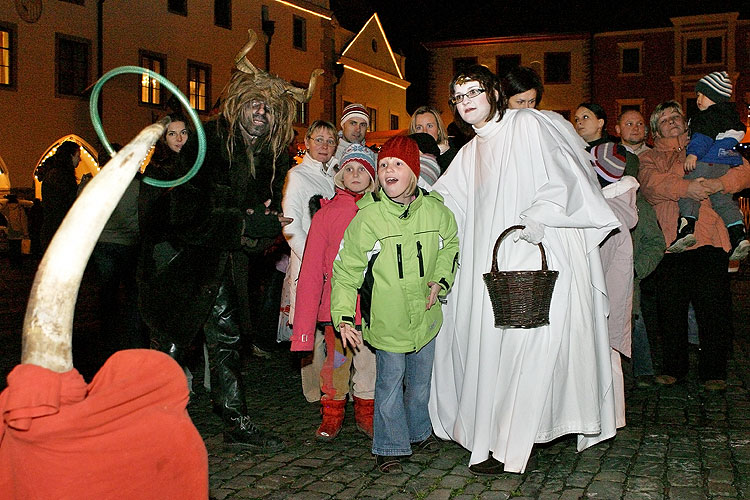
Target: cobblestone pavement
[680,443]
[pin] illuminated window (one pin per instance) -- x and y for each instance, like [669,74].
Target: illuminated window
[150,92]
[177,7]
[71,64]
[7,56]
[199,85]
[299,28]
[556,67]
[223,13]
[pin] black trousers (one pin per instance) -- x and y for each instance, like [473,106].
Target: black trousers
[698,276]
[223,338]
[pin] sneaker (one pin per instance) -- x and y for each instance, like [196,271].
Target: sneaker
[685,237]
[244,434]
[740,244]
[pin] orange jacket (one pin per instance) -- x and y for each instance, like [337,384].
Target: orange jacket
[125,435]
[661,177]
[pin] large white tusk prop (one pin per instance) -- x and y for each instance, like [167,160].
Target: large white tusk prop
[48,325]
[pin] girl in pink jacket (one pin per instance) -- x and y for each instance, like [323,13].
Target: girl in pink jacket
[355,177]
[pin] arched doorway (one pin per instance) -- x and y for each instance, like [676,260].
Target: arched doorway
[4,178]
[88,165]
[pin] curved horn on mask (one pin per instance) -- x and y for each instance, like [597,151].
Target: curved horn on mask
[304,95]
[240,60]
[48,325]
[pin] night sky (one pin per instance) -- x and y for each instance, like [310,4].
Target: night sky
[408,23]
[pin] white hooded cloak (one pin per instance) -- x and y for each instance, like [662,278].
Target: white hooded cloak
[500,390]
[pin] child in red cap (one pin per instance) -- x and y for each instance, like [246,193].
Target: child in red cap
[400,251]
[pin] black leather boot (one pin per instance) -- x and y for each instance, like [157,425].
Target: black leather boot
[227,390]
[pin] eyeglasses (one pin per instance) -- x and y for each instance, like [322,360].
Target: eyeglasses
[458,98]
[320,141]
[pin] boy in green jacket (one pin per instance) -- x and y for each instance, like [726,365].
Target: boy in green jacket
[400,251]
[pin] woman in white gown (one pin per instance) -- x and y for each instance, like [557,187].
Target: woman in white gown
[497,391]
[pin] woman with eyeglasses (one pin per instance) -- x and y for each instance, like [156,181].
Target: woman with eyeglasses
[499,390]
[312,178]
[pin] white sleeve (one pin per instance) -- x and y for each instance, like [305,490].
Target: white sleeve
[293,205]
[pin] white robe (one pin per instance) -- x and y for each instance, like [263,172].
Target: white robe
[303,181]
[502,390]
[617,261]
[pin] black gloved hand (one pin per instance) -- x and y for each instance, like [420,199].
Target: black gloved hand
[260,222]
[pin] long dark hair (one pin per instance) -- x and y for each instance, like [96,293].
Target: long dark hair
[62,159]
[597,110]
[164,162]
[521,79]
[162,150]
[486,79]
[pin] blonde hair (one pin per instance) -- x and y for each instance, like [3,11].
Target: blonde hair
[658,110]
[338,181]
[442,132]
[411,188]
[322,124]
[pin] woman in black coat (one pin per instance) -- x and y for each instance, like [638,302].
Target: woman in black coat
[59,187]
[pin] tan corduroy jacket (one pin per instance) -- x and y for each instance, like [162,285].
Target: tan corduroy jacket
[662,183]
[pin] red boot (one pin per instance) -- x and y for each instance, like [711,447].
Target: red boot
[333,418]
[363,409]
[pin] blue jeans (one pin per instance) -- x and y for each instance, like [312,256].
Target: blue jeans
[642,363]
[402,390]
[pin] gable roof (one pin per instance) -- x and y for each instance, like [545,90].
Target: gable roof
[371,47]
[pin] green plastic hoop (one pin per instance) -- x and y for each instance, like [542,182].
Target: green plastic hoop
[96,120]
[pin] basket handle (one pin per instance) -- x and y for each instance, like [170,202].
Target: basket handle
[503,235]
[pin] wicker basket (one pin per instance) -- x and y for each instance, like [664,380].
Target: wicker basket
[520,299]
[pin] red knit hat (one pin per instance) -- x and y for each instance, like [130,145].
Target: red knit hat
[405,149]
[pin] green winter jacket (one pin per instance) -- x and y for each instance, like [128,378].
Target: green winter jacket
[648,246]
[390,252]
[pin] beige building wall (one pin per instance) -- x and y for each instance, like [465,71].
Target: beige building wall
[34,117]
[373,75]
[385,98]
[532,48]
